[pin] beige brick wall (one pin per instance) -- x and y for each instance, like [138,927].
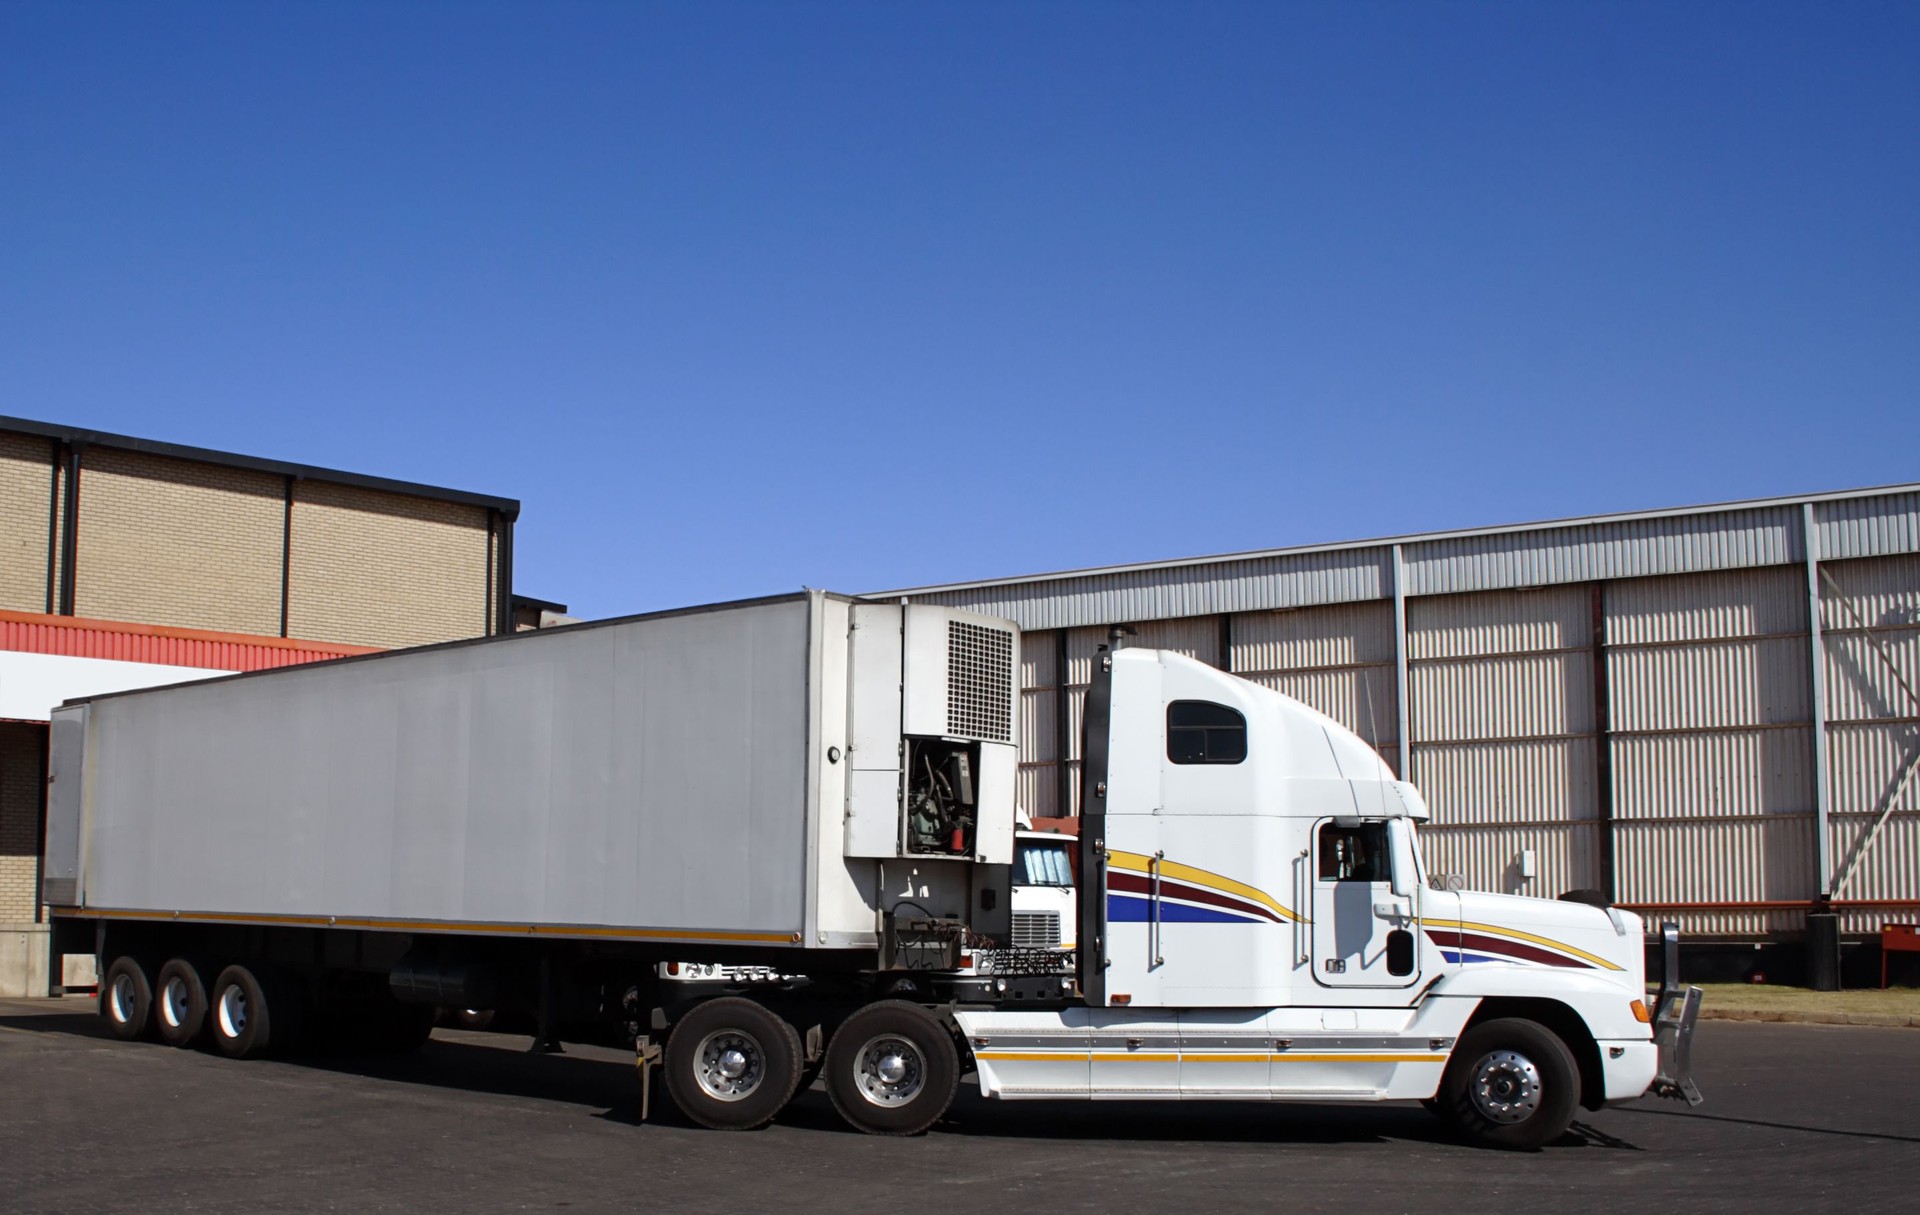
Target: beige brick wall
[173,542]
[26,477]
[372,568]
[20,783]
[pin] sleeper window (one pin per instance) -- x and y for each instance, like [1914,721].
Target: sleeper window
[1200,732]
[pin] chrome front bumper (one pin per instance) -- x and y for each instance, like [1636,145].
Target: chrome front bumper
[1675,1009]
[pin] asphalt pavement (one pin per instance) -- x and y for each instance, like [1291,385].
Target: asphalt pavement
[1798,1118]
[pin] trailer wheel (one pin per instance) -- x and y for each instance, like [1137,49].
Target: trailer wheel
[892,1069]
[1511,1083]
[248,1016]
[126,998]
[179,1003]
[732,1065]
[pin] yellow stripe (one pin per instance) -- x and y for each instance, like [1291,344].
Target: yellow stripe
[1503,931]
[1134,862]
[492,929]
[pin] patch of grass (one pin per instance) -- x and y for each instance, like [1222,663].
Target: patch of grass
[1767,997]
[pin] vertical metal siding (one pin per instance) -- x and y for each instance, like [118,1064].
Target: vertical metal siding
[1701,607]
[1489,857]
[1869,526]
[1593,552]
[1338,659]
[1736,860]
[1509,783]
[1509,622]
[1501,692]
[1039,790]
[1736,773]
[1344,635]
[1166,592]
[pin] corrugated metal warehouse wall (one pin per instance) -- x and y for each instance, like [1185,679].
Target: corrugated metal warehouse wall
[1636,700]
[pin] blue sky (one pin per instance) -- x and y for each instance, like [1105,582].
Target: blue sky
[740,297]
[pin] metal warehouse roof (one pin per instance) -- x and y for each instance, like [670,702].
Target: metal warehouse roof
[1719,536]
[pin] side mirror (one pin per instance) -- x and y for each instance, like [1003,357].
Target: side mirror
[1406,875]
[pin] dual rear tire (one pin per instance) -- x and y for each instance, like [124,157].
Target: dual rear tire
[891,1069]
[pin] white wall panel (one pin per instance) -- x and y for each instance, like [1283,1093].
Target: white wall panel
[1344,635]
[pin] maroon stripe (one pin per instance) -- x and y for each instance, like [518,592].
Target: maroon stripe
[1139,883]
[1516,949]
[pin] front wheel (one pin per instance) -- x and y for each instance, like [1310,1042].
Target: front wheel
[892,1069]
[1511,1084]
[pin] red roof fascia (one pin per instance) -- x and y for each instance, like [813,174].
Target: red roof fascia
[77,637]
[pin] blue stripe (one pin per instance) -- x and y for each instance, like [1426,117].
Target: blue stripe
[1131,909]
[1452,956]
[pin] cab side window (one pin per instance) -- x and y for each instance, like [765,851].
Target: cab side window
[1355,854]
[1201,732]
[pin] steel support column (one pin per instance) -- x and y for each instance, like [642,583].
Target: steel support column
[1817,657]
[1400,661]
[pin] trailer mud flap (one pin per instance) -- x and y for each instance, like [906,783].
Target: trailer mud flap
[1091,888]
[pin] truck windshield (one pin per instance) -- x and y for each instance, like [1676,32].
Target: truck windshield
[1041,864]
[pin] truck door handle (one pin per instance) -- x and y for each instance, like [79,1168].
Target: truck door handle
[1393,911]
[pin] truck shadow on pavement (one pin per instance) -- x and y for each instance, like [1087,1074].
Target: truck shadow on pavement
[603,1080]
[1778,1126]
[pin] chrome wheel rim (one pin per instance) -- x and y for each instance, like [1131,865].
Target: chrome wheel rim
[120,998]
[729,1064]
[889,1071]
[233,1011]
[173,1002]
[1505,1087]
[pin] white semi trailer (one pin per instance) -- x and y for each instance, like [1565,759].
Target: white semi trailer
[826,787]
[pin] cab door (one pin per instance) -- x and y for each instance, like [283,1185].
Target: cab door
[1364,934]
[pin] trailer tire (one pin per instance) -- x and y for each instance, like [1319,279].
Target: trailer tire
[732,1065]
[1511,1083]
[179,1003]
[892,1069]
[245,1014]
[126,998]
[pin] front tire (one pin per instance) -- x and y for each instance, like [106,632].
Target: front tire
[179,1003]
[892,1069]
[732,1065]
[1511,1084]
[126,998]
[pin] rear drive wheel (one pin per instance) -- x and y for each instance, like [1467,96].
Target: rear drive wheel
[732,1065]
[126,998]
[892,1069]
[1512,1084]
[179,1003]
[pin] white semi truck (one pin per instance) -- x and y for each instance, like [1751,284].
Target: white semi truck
[824,786]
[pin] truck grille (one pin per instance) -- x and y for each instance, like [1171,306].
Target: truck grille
[979,682]
[1036,930]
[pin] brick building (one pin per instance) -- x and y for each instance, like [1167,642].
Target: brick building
[126,562]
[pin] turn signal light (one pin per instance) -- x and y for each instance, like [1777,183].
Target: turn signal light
[1640,1012]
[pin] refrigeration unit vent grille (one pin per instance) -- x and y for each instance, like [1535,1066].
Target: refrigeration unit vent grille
[979,682]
